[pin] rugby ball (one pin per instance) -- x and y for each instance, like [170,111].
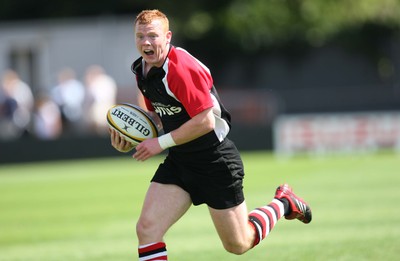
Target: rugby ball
[132,122]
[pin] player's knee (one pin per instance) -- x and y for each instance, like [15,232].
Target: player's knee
[235,248]
[145,228]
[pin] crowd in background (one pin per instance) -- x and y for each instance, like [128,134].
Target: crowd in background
[72,107]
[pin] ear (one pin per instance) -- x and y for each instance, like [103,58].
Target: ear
[169,36]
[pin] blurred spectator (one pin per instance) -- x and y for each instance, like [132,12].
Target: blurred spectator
[69,95]
[101,95]
[8,106]
[47,119]
[16,104]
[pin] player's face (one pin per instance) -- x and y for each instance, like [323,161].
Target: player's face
[152,42]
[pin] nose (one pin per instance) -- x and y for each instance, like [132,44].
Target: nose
[145,41]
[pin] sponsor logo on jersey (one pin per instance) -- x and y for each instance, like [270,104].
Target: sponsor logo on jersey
[163,110]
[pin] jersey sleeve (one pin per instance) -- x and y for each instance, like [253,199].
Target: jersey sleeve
[191,82]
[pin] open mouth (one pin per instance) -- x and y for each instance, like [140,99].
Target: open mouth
[148,52]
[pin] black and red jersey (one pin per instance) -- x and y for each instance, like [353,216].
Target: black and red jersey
[179,90]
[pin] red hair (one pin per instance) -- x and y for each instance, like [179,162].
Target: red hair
[147,16]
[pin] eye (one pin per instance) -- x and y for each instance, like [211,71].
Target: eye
[152,36]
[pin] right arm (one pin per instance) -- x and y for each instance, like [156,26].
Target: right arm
[119,142]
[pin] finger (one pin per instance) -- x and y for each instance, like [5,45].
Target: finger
[118,142]
[145,154]
[136,155]
[113,138]
[142,157]
[121,141]
[116,139]
[128,146]
[139,154]
[114,135]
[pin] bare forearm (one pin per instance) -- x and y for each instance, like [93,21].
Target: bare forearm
[196,127]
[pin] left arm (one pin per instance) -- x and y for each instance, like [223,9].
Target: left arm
[199,125]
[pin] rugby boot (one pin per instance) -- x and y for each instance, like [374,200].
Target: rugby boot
[298,208]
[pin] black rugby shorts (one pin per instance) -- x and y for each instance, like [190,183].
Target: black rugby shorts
[213,176]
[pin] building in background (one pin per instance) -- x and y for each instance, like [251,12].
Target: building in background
[37,50]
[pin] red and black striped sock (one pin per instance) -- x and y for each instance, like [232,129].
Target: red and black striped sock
[153,252]
[263,219]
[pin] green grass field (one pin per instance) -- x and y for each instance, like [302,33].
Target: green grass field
[86,210]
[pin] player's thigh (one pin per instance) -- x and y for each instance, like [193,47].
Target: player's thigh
[232,226]
[164,204]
